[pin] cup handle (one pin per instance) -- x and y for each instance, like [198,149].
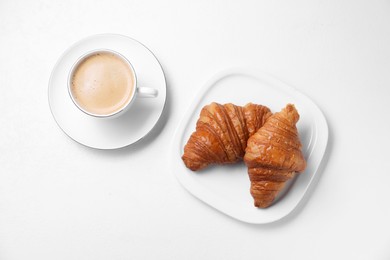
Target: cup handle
[144,92]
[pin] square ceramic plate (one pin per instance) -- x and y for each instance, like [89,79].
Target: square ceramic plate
[226,188]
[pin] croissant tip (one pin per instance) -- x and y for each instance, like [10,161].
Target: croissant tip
[262,204]
[190,164]
[290,106]
[291,112]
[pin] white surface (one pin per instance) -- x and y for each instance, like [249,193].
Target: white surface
[60,200]
[121,130]
[226,188]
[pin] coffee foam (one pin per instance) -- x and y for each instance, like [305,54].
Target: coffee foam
[102,83]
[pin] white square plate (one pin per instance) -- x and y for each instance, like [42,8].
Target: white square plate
[226,188]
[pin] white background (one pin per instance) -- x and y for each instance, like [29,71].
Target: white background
[60,200]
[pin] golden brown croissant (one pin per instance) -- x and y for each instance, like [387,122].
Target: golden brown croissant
[273,155]
[222,132]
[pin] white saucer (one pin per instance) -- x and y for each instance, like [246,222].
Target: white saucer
[109,133]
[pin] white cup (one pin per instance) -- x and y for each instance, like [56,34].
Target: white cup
[141,92]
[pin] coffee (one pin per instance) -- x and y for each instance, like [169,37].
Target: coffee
[102,83]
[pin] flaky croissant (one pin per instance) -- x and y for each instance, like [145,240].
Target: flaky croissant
[273,155]
[222,132]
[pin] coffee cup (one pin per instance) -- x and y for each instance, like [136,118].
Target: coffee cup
[103,83]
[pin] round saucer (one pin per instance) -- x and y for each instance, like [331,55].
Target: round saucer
[108,133]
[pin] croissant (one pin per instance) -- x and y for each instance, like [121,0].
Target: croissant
[222,132]
[273,155]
